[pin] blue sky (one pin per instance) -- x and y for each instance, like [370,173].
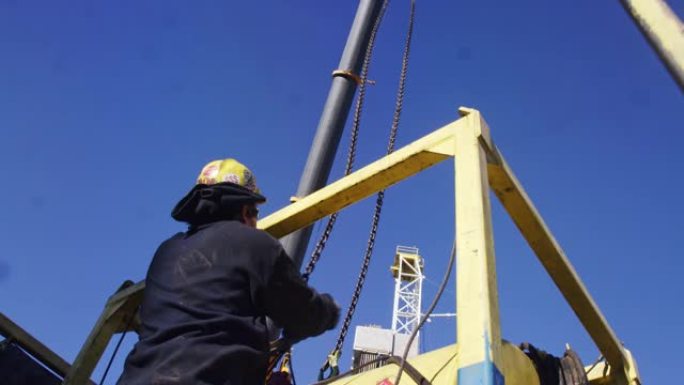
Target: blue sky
[109,110]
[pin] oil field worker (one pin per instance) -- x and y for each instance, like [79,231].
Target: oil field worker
[209,290]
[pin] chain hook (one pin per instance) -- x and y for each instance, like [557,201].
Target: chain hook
[331,363]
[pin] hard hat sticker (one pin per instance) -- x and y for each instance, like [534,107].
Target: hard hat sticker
[208,174]
[250,182]
[232,178]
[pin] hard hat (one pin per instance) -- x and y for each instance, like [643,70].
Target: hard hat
[222,185]
[228,170]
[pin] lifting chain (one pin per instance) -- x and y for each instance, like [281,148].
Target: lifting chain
[381,195]
[331,363]
[351,153]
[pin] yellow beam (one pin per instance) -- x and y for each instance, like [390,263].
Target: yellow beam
[477,305]
[377,176]
[115,318]
[663,30]
[526,217]
[13,332]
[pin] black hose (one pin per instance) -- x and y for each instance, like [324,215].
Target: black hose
[425,316]
[118,345]
[552,370]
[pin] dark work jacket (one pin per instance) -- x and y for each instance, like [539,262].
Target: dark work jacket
[207,294]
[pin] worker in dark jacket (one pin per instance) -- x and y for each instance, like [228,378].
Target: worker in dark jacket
[209,290]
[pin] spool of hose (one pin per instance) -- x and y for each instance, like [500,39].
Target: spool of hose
[552,370]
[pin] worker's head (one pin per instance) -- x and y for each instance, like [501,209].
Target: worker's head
[229,170]
[225,190]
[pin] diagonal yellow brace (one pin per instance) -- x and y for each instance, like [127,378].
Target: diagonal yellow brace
[531,225]
[377,176]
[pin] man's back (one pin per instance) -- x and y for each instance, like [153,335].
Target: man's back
[203,315]
[209,291]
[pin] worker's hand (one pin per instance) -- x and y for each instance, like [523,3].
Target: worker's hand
[330,318]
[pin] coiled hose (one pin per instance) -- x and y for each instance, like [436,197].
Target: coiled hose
[566,370]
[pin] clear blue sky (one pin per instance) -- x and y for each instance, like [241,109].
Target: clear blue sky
[109,109]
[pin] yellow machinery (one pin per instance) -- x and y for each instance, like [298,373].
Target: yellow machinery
[481,356]
[441,366]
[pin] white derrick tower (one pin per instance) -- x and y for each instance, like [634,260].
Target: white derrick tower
[407,271]
[373,344]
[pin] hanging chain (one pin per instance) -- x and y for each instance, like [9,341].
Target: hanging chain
[381,195]
[351,153]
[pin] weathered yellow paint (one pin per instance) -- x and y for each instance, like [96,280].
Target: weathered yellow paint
[399,165]
[531,225]
[115,318]
[440,368]
[17,335]
[478,329]
[664,31]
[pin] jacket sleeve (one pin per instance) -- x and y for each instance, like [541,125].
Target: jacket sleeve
[292,304]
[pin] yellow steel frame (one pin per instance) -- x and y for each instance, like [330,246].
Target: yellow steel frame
[478,165]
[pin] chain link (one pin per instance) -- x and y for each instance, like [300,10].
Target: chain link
[381,195]
[320,245]
[364,270]
[351,156]
[353,141]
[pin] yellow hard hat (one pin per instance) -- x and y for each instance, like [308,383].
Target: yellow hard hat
[221,185]
[227,170]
